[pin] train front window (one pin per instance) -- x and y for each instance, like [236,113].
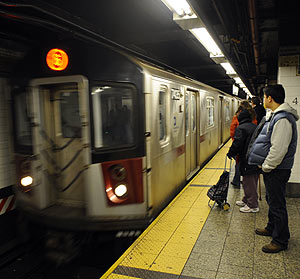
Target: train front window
[113,114]
[70,117]
[22,121]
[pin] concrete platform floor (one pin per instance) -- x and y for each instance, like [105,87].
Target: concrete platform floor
[221,245]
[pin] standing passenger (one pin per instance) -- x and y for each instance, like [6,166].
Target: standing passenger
[259,109]
[274,151]
[239,146]
[236,181]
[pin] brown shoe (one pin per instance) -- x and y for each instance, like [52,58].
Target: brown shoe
[273,248]
[263,232]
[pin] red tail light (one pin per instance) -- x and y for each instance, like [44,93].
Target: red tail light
[123,181]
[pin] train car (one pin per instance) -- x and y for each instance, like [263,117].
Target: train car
[104,140]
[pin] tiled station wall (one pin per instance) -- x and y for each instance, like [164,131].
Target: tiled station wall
[289,77]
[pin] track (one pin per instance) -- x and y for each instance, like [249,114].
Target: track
[29,261]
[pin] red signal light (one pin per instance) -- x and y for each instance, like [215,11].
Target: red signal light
[57,59]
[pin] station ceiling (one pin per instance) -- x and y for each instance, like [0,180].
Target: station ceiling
[249,32]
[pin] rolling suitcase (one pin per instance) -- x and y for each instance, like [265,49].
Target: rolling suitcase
[219,191]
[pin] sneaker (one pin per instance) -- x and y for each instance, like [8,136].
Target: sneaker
[263,232]
[240,203]
[273,248]
[247,209]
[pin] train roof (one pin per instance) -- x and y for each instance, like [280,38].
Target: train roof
[94,59]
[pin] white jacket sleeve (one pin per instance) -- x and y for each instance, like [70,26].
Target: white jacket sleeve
[280,141]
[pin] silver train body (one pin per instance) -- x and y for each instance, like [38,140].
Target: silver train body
[83,132]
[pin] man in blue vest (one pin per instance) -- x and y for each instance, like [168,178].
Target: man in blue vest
[274,150]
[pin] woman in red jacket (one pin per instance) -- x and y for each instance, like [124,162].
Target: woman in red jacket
[236,181]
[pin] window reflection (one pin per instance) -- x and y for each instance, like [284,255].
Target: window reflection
[22,121]
[113,116]
[210,106]
[70,117]
[162,113]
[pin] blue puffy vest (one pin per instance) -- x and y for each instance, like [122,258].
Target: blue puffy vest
[262,144]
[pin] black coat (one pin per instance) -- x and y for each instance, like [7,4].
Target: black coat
[260,113]
[240,143]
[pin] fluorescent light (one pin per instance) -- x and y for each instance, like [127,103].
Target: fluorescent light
[238,80]
[207,41]
[248,92]
[235,90]
[180,7]
[228,68]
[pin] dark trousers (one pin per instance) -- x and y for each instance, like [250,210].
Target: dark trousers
[237,177]
[275,182]
[250,190]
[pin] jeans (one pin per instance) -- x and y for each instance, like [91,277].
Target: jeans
[275,182]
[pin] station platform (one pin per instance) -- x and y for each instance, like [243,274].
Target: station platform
[191,240]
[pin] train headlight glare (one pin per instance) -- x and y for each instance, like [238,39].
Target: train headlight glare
[26,181]
[121,190]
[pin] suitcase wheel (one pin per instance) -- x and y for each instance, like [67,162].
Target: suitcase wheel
[226,206]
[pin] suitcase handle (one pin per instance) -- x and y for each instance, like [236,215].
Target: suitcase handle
[226,162]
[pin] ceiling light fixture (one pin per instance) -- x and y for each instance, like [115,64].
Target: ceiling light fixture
[229,69]
[187,19]
[180,7]
[207,41]
[238,80]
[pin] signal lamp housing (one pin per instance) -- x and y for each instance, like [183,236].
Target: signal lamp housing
[57,59]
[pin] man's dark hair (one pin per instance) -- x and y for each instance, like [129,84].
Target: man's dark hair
[276,92]
[255,101]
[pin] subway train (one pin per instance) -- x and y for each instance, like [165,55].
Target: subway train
[104,140]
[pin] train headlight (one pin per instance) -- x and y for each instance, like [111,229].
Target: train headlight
[121,190]
[26,181]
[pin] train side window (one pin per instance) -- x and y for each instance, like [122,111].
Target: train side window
[187,115]
[113,115]
[194,112]
[227,111]
[162,113]
[210,108]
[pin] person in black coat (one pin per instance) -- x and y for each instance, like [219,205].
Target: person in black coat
[250,173]
[259,109]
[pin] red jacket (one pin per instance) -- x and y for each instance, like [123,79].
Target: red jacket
[235,123]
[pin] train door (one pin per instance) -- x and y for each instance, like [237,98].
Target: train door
[60,139]
[220,121]
[191,131]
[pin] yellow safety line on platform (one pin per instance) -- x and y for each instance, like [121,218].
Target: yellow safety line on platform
[185,222]
[119,276]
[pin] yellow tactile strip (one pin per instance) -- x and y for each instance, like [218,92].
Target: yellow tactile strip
[175,231]
[119,276]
